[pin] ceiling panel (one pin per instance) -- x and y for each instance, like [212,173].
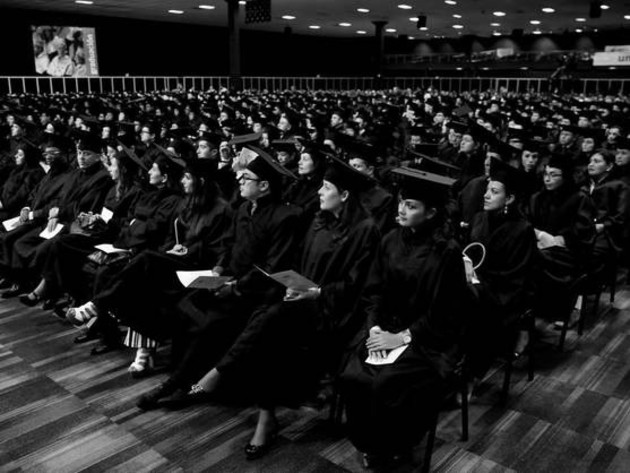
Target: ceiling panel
[476,15]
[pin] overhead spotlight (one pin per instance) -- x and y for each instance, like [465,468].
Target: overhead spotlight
[422,22]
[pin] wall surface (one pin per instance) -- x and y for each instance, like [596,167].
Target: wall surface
[151,48]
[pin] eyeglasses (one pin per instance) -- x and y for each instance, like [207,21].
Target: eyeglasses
[243,177]
[552,175]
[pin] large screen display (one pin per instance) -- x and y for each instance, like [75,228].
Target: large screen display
[65,51]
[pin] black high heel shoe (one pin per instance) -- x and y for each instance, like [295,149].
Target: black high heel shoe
[254,452]
[150,400]
[31,299]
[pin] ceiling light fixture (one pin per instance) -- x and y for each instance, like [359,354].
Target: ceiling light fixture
[176,12]
[580,20]
[243,2]
[498,13]
[458,27]
[496,33]
[288,17]
[578,30]
[457,16]
[361,32]
[537,32]
[363,10]
[207,7]
[450,2]
[345,24]
[626,17]
[404,6]
[495,24]
[534,22]
[390,30]
[605,7]
[548,10]
[424,28]
[315,27]
[84,2]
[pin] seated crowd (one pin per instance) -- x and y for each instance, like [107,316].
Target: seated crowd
[381,202]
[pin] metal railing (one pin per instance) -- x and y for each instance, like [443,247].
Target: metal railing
[487,56]
[106,84]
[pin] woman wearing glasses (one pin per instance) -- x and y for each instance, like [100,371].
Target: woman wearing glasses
[562,218]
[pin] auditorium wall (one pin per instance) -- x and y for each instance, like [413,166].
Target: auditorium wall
[135,47]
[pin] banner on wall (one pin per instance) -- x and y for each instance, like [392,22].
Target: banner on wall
[65,51]
[612,59]
[617,48]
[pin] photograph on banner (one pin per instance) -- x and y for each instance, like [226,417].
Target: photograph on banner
[65,51]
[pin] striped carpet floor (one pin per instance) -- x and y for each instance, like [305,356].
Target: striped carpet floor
[63,410]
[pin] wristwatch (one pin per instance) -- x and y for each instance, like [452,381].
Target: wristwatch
[406,338]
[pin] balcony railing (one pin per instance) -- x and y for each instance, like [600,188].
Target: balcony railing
[106,84]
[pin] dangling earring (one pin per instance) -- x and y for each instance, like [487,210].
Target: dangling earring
[505,209]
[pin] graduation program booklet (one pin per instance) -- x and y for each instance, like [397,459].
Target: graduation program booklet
[391,356]
[204,279]
[109,248]
[290,279]
[45,234]
[11,223]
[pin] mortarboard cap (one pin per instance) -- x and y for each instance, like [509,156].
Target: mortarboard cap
[509,176]
[89,141]
[563,163]
[250,138]
[132,155]
[172,156]
[201,167]
[344,176]
[266,168]
[429,188]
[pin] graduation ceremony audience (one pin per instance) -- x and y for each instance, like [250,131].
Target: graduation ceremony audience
[279,241]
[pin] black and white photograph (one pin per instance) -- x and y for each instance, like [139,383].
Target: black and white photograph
[332,236]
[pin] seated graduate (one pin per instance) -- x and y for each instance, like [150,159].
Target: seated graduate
[530,162]
[142,294]
[34,215]
[285,348]
[505,275]
[303,192]
[66,254]
[146,227]
[264,237]
[376,200]
[609,197]
[83,191]
[414,300]
[562,218]
[21,181]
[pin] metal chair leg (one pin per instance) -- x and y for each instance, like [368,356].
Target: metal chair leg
[428,452]
[505,392]
[582,317]
[464,393]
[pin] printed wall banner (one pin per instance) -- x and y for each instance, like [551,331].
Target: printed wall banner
[65,51]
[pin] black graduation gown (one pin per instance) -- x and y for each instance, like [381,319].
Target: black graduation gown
[416,282]
[143,294]
[84,191]
[506,285]
[17,188]
[67,253]
[609,197]
[567,213]
[273,357]
[381,205]
[209,324]
[45,193]
[470,199]
[303,194]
